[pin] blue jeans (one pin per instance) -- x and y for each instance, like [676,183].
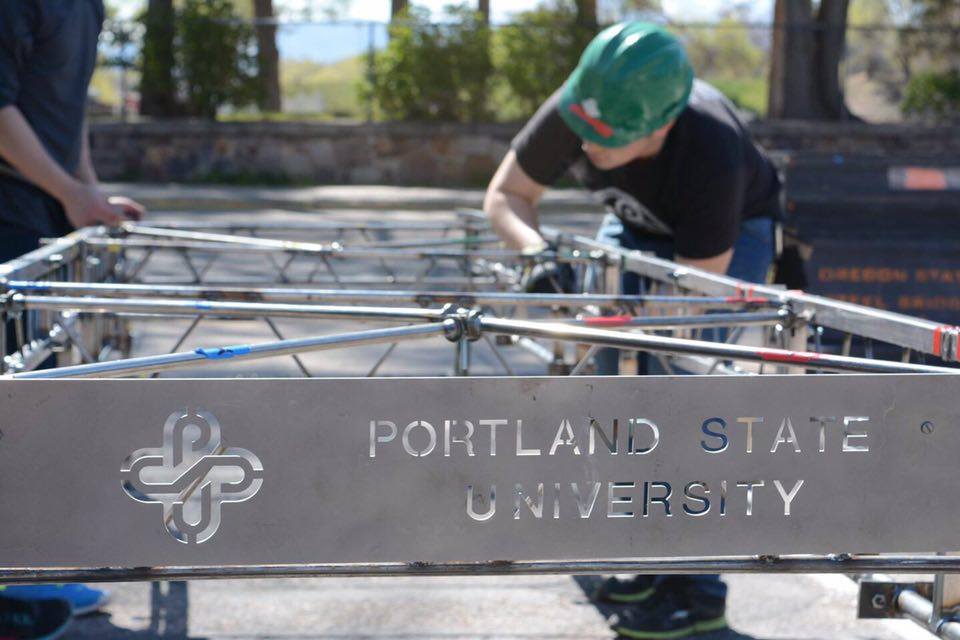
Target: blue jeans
[753,253]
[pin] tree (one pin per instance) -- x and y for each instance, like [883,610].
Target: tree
[537,51]
[268,58]
[930,52]
[215,58]
[409,84]
[805,66]
[587,14]
[158,88]
[483,7]
[397,7]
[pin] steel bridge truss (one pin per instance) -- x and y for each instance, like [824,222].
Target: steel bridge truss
[71,307]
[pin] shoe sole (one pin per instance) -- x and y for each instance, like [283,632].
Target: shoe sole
[55,633]
[58,632]
[705,626]
[93,608]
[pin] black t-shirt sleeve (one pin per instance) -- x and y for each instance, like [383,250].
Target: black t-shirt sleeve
[546,147]
[710,218]
[15,43]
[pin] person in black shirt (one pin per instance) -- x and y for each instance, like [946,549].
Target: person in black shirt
[679,176]
[48,187]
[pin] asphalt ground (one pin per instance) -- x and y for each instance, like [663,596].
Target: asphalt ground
[768,606]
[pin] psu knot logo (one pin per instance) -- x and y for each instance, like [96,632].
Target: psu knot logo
[192,475]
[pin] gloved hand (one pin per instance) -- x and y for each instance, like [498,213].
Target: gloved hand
[545,274]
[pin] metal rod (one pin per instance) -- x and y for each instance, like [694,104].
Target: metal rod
[689,322]
[300,226]
[661,344]
[214,308]
[920,610]
[906,331]
[360,295]
[147,364]
[842,563]
[213,243]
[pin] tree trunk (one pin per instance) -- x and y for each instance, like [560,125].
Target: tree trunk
[268,58]
[805,60]
[397,7]
[830,41]
[158,91]
[483,7]
[587,14]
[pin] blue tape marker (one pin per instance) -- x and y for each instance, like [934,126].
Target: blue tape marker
[203,305]
[223,353]
[28,286]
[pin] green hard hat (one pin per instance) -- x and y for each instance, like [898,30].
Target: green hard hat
[633,78]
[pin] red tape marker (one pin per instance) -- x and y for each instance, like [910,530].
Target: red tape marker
[608,321]
[794,357]
[938,338]
[747,300]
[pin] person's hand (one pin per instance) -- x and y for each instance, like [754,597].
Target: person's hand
[544,273]
[85,205]
[131,209]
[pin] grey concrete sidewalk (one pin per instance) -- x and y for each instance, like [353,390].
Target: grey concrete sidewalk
[769,607]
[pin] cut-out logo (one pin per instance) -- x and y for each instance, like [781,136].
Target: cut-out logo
[192,475]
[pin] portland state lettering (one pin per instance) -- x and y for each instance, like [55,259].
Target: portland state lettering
[625,497]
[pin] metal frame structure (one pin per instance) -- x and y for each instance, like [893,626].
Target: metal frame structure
[76,299]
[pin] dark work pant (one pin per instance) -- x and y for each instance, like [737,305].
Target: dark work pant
[14,242]
[753,254]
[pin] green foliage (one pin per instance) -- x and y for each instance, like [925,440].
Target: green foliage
[307,83]
[434,71]
[217,56]
[723,50]
[158,87]
[748,94]
[537,51]
[934,95]
[196,58]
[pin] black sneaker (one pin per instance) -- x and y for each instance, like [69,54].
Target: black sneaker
[670,614]
[633,591]
[33,620]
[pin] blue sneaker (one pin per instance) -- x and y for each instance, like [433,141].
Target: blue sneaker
[83,599]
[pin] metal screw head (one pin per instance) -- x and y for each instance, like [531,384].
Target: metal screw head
[926,427]
[879,601]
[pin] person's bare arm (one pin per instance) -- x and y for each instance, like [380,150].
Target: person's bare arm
[85,170]
[84,204]
[511,205]
[87,174]
[717,264]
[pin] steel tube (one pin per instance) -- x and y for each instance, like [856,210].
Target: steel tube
[917,608]
[313,225]
[689,322]
[148,364]
[673,346]
[260,294]
[333,250]
[214,308]
[906,331]
[737,564]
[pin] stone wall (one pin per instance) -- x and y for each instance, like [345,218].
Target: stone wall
[403,153]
